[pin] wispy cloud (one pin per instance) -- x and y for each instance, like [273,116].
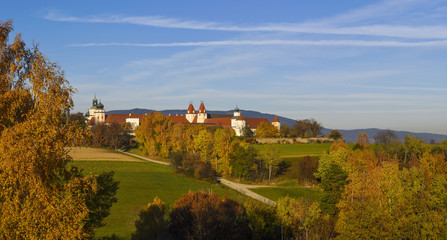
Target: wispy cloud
[361,43]
[364,21]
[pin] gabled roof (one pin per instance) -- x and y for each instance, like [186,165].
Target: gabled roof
[202,108]
[194,120]
[240,118]
[121,118]
[191,109]
[178,119]
[253,123]
[275,119]
[224,122]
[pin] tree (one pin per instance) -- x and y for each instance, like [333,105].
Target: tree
[302,219]
[247,132]
[199,215]
[152,222]
[266,130]
[306,128]
[263,221]
[386,137]
[154,135]
[41,196]
[284,131]
[306,170]
[203,143]
[271,156]
[243,161]
[335,134]
[223,141]
[333,184]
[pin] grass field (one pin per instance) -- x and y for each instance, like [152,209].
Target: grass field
[140,183]
[298,150]
[275,193]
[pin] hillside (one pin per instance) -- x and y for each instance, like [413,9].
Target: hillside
[349,136]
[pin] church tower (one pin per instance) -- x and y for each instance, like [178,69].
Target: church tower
[276,123]
[190,113]
[202,113]
[96,112]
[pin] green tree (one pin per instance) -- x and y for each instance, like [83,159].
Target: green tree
[152,222]
[335,134]
[243,161]
[271,156]
[263,221]
[306,128]
[333,184]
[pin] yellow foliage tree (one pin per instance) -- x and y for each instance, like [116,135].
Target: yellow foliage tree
[40,197]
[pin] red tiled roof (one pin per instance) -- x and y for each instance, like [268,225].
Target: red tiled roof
[202,108]
[275,119]
[240,117]
[178,119]
[194,120]
[91,121]
[121,118]
[253,123]
[224,122]
[191,109]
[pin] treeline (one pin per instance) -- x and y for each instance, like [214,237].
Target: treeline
[395,191]
[111,135]
[203,151]
[306,128]
[199,215]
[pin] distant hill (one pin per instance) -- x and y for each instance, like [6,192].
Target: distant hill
[349,136]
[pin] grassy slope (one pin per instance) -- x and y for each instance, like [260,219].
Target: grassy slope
[140,183]
[275,193]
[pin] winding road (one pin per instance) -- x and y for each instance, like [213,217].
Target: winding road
[242,188]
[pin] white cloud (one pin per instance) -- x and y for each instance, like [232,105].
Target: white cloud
[360,43]
[366,21]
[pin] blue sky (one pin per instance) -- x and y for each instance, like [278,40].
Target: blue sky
[348,64]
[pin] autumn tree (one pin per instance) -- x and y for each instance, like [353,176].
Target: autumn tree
[154,135]
[306,170]
[266,130]
[41,196]
[284,131]
[303,219]
[223,142]
[199,215]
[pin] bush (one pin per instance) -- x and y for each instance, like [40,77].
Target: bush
[306,169]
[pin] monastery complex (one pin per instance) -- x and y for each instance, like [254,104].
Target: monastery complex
[237,122]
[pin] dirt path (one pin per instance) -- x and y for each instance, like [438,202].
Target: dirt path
[144,158]
[242,188]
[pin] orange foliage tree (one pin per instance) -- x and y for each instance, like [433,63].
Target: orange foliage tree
[40,196]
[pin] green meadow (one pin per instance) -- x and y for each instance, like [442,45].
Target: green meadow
[140,183]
